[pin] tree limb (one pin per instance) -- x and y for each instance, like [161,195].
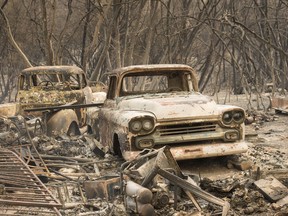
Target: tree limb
[11,38]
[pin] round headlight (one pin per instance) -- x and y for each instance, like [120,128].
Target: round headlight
[147,124]
[227,117]
[136,126]
[238,116]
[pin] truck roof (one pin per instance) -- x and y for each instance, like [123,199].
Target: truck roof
[151,67]
[53,69]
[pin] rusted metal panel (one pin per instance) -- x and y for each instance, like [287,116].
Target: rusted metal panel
[280,104]
[272,188]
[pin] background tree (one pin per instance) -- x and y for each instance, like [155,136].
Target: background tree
[235,45]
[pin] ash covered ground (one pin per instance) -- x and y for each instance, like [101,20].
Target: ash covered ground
[73,160]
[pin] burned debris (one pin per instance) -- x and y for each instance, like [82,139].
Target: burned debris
[89,181]
[159,171]
[62,174]
[21,187]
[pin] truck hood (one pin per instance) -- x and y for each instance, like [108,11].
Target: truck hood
[165,106]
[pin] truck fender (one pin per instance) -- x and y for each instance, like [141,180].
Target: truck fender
[63,121]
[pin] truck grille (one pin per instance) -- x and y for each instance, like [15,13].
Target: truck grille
[188,128]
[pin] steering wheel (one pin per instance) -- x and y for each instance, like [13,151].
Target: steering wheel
[47,83]
[174,88]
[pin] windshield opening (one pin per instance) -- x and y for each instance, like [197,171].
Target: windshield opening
[155,82]
[52,81]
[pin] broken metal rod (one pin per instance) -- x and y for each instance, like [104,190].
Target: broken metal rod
[81,161]
[27,203]
[195,190]
[60,174]
[151,175]
[194,201]
[34,147]
[28,211]
[53,108]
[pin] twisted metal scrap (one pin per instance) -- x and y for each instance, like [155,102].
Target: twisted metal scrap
[20,187]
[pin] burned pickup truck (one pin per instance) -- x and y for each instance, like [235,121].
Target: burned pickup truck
[44,88]
[149,106]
